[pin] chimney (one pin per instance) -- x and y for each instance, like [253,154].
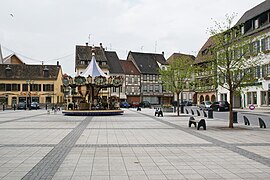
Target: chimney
[162,53]
[57,63]
[100,44]
[86,44]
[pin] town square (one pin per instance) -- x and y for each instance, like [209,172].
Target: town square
[134,90]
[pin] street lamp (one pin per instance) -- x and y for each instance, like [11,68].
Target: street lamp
[29,82]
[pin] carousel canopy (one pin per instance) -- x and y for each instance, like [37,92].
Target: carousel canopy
[93,69]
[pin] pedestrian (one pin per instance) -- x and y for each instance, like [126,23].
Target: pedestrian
[14,107]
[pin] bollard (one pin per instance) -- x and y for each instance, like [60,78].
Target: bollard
[235,117]
[210,114]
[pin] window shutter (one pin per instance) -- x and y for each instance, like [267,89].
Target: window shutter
[263,66]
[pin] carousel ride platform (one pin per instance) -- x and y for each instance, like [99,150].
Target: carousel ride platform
[93,112]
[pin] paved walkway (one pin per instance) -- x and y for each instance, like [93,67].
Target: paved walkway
[134,146]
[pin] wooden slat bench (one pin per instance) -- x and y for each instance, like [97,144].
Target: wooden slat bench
[198,122]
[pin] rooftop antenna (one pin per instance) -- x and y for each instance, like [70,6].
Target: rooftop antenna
[110,46]
[89,38]
[1,56]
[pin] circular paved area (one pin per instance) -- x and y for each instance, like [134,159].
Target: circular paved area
[136,145]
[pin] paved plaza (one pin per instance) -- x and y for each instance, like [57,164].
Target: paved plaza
[133,146]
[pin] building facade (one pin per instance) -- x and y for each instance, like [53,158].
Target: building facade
[20,82]
[132,81]
[255,25]
[188,93]
[148,65]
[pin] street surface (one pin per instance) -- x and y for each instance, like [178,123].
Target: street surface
[133,146]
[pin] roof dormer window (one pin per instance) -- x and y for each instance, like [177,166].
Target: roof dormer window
[46,72]
[256,24]
[8,71]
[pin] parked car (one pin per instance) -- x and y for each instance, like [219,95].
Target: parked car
[184,103]
[134,104]
[34,105]
[145,104]
[205,105]
[220,106]
[124,104]
[21,105]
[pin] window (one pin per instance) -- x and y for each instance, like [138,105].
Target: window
[15,87]
[25,87]
[254,96]
[2,87]
[156,88]
[151,88]
[265,70]
[255,48]
[48,87]
[129,80]
[150,77]
[243,30]
[256,24]
[8,87]
[114,89]
[265,43]
[263,97]
[35,87]
[145,77]
[144,88]
[136,80]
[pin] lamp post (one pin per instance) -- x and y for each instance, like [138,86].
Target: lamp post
[29,82]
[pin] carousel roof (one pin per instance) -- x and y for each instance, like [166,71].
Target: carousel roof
[93,69]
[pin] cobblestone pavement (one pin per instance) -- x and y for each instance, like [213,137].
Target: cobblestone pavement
[134,146]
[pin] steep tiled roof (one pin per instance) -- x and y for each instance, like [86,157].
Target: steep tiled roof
[178,56]
[257,10]
[129,67]
[12,59]
[204,52]
[85,53]
[113,62]
[148,62]
[23,71]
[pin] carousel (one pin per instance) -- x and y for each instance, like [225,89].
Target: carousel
[88,86]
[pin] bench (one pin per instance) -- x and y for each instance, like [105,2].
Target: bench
[192,112]
[204,114]
[198,113]
[159,112]
[246,121]
[200,122]
[261,123]
[186,111]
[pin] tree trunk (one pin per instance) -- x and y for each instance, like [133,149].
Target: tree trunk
[231,109]
[177,103]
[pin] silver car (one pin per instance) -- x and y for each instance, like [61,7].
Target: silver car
[205,105]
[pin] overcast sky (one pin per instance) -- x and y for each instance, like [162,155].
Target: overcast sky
[49,30]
